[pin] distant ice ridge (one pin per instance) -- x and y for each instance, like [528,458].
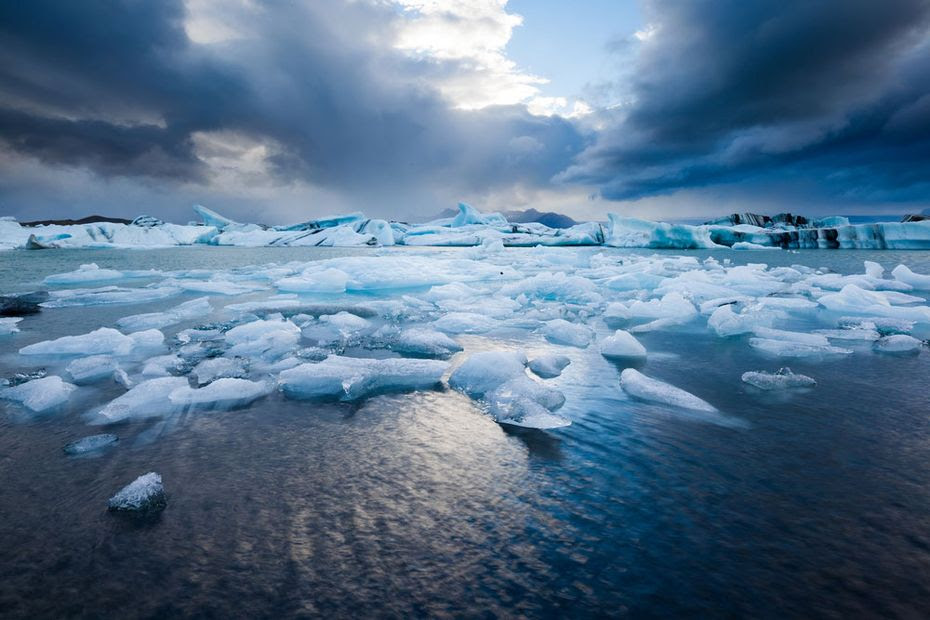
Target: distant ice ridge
[469,227]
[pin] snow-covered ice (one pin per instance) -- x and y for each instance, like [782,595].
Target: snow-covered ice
[144,494]
[782,379]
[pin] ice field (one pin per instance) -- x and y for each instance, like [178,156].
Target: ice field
[552,413]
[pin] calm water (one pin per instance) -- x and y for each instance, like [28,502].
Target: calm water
[816,505]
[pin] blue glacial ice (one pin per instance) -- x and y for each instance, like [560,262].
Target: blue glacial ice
[144,494]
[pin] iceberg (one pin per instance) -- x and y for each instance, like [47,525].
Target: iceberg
[8,325]
[622,345]
[86,273]
[186,311]
[147,399]
[351,378]
[225,393]
[91,443]
[214,368]
[145,494]
[780,380]
[898,343]
[105,340]
[93,368]
[425,343]
[483,372]
[524,402]
[561,331]
[549,366]
[39,395]
[902,273]
[639,386]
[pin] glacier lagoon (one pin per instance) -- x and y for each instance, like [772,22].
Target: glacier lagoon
[304,481]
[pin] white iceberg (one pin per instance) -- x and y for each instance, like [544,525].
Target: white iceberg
[561,331]
[622,345]
[351,378]
[40,395]
[549,366]
[638,385]
[780,380]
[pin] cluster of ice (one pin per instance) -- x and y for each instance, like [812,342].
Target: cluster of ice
[396,320]
[499,380]
[487,231]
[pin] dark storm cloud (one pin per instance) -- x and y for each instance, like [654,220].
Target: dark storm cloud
[117,87]
[832,90]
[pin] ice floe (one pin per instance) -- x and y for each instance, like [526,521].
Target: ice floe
[40,395]
[549,366]
[349,378]
[638,385]
[91,443]
[782,379]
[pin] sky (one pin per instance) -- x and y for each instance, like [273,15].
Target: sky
[279,111]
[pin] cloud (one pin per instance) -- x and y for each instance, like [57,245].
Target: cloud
[258,99]
[775,91]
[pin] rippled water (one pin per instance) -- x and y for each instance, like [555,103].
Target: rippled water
[815,504]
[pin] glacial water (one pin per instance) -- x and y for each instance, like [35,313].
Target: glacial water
[804,503]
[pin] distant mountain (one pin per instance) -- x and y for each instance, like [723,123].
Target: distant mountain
[550,218]
[90,219]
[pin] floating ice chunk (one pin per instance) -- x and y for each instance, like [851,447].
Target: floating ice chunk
[657,325]
[147,339]
[326,281]
[85,273]
[617,311]
[898,343]
[39,395]
[728,323]
[346,322]
[147,399]
[8,325]
[93,368]
[817,340]
[271,339]
[883,325]
[903,273]
[485,371]
[634,281]
[218,287]
[105,340]
[866,335]
[561,331]
[671,305]
[350,378]
[783,348]
[464,323]
[162,365]
[630,232]
[524,402]
[855,300]
[874,270]
[226,393]
[747,245]
[91,443]
[782,379]
[549,366]
[555,287]
[193,309]
[638,385]
[622,345]
[425,342]
[108,295]
[121,377]
[220,368]
[144,494]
